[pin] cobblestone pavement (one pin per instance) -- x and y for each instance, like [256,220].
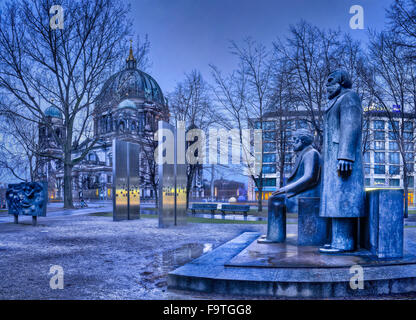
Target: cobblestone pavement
[103,259]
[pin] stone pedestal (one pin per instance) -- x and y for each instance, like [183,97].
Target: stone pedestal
[312,229]
[382,229]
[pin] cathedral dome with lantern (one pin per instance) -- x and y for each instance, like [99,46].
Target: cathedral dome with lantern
[131,83]
[129,104]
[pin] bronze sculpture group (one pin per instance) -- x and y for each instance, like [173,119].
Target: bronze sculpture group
[337,177]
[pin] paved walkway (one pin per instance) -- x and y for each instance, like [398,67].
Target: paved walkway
[55,209]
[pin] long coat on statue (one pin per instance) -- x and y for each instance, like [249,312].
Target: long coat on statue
[343,197]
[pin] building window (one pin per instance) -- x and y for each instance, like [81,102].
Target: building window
[287,168]
[269,168]
[408,156]
[393,146]
[379,182]
[109,177]
[410,167]
[408,126]
[367,181]
[410,182]
[379,124]
[269,125]
[394,170]
[269,135]
[379,157]
[392,135]
[408,146]
[395,125]
[379,135]
[268,182]
[408,135]
[269,157]
[394,158]
[367,170]
[288,158]
[378,169]
[379,145]
[394,182]
[367,157]
[269,146]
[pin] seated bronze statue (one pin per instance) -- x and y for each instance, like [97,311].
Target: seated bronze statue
[304,181]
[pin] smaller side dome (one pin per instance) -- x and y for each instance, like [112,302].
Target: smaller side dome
[126,104]
[53,112]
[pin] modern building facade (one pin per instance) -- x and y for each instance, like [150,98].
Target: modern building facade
[383,163]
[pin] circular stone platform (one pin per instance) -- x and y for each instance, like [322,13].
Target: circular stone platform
[244,267]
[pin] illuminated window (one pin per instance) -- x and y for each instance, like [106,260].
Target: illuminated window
[379,182]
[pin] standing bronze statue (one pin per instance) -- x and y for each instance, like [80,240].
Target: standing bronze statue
[342,197]
[304,181]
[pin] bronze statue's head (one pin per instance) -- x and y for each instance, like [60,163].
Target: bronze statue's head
[337,80]
[301,139]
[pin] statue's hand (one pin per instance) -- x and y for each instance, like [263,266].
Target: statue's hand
[344,167]
[279,191]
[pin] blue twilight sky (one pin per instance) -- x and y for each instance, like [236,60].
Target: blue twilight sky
[190,34]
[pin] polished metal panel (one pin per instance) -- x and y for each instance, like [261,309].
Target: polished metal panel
[126,177]
[134,180]
[180,174]
[166,186]
[120,180]
[172,181]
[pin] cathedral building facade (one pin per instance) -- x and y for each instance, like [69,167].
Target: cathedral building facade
[128,108]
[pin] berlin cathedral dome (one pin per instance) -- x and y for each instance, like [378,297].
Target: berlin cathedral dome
[128,108]
[130,103]
[131,83]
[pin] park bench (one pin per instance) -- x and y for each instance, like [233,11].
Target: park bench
[233,208]
[204,206]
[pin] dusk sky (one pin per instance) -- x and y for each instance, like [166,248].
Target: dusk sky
[191,34]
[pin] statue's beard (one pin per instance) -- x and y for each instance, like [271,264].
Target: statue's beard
[298,148]
[333,91]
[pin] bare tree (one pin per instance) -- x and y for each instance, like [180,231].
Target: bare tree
[17,159]
[190,102]
[148,166]
[283,113]
[312,53]
[245,96]
[392,83]
[38,63]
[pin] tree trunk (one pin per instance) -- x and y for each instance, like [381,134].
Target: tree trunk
[406,192]
[156,196]
[260,200]
[68,204]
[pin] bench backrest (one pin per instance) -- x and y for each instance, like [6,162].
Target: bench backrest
[236,207]
[210,206]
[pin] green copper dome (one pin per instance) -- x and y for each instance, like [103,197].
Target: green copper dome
[53,112]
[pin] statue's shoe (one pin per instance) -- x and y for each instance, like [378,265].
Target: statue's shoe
[264,239]
[328,249]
